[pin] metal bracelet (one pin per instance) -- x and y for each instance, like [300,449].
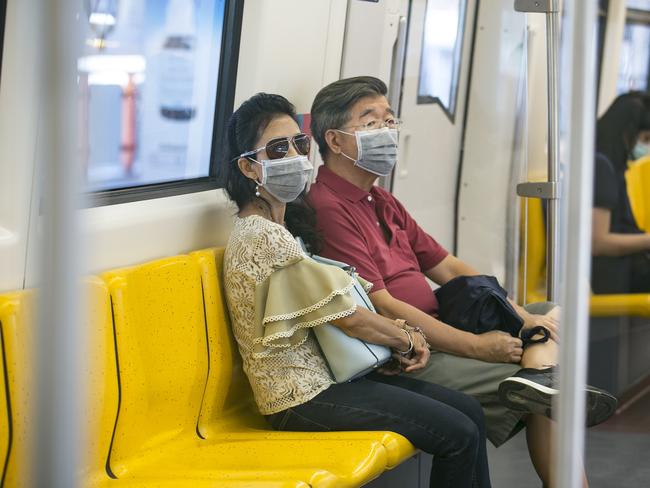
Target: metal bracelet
[410,348]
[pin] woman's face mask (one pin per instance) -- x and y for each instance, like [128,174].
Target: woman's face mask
[641,149]
[376,150]
[285,178]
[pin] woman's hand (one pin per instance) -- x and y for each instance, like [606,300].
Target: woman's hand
[418,358]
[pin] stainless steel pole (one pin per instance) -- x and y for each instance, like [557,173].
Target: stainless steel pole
[578,115]
[548,190]
[59,341]
[552,240]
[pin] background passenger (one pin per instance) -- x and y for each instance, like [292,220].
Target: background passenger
[621,251]
[266,166]
[366,226]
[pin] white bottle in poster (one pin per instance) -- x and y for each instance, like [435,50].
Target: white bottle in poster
[177,62]
[176,101]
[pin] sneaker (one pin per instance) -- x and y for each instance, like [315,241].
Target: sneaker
[532,390]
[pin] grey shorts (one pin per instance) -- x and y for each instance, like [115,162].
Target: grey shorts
[480,380]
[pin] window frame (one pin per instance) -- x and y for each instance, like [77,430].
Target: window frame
[227,81]
[639,17]
[427,99]
[3,20]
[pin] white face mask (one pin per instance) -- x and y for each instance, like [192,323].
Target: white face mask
[285,178]
[640,150]
[376,150]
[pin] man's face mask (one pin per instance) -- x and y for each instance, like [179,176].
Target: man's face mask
[376,150]
[285,178]
[640,150]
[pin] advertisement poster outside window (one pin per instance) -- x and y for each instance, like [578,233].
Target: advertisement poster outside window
[148,83]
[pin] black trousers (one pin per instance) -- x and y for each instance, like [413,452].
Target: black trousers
[437,420]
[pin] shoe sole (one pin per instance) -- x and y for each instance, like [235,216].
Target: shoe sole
[527,396]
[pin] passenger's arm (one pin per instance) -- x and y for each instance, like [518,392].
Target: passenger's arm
[495,346]
[371,327]
[449,268]
[606,243]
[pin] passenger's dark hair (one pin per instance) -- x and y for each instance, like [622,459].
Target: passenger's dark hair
[618,129]
[245,127]
[331,107]
[300,219]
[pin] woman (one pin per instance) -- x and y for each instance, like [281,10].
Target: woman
[275,296]
[621,251]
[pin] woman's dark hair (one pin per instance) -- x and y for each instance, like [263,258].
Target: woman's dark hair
[618,129]
[300,219]
[245,127]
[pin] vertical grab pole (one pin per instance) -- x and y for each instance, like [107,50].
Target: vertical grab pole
[548,190]
[578,92]
[59,336]
[552,234]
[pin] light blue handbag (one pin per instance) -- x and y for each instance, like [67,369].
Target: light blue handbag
[349,358]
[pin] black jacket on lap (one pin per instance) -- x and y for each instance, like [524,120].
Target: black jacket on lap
[477,304]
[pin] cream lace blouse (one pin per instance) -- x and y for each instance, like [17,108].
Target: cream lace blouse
[276,294]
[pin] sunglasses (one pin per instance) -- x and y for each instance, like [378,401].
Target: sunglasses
[279,147]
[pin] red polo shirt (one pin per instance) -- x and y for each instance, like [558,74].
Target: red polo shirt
[350,220]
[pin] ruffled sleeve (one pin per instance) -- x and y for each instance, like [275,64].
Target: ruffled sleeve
[296,297]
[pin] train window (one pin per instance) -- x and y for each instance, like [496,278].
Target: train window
[634,68]
[156,82]
[442,44]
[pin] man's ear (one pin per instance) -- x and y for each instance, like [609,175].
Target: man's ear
[332,137]
[246,167]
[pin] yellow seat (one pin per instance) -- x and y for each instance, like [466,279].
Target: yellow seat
[600,305]
[17,318]
[534,289]
[638,188]
[101,405]
[6,312]
[162,351]
[100,384]
[228,387]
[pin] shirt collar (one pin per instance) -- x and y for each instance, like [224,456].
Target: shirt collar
[341,186]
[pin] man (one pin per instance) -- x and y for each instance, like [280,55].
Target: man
[365,226]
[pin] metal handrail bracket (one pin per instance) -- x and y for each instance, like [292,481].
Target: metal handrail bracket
[536,6]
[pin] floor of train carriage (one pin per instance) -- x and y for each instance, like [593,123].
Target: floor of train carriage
[616,452]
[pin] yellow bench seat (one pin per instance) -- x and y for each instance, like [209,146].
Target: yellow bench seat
[179,377]
[331,461]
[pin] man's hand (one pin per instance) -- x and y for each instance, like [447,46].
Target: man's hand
[498,347]
[549,321]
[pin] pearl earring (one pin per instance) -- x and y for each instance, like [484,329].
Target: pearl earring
[257,190]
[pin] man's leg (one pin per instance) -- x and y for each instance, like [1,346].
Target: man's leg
[481,380]
[541,355]
[540,434]
[533,388]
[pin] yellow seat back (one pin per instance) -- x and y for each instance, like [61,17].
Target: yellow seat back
[638,188]
[99,382]
[17,315]
[533,289]
[162,355]
[7,315]
[228,390]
